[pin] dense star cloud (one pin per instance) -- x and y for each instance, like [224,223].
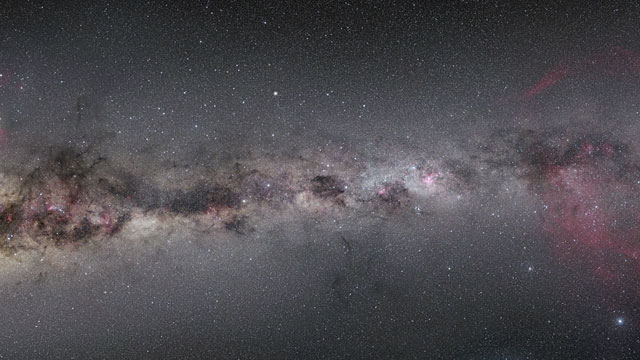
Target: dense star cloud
[319,180]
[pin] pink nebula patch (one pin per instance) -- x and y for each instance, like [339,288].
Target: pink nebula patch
[593,217]
[429,179]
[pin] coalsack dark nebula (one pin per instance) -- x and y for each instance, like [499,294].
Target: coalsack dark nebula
[71,198]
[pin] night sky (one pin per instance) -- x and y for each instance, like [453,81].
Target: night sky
[322,180]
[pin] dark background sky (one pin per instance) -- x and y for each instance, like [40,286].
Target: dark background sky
[335,65]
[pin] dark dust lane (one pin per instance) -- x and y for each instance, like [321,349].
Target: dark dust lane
[549,213]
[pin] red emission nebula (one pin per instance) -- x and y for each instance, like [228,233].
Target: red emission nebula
[592,211]
[589,187]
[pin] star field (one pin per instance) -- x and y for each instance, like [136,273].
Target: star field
[319,180]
